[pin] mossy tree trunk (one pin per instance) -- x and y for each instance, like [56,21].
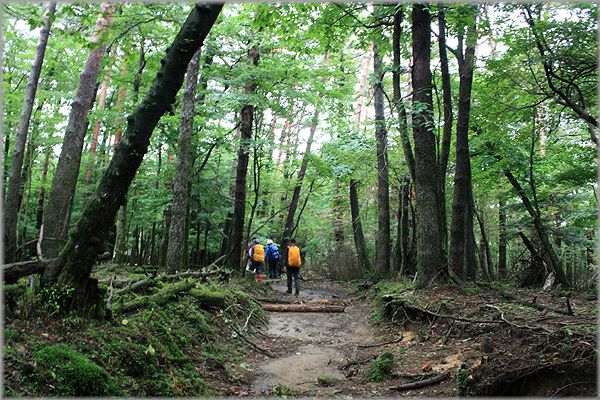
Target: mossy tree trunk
[88,237]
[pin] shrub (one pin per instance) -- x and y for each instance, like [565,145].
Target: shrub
[381,368]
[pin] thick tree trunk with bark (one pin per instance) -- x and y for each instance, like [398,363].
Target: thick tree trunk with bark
[462,248]
[13,194]
[57,214]
[553,260]
[428,235]
[383,245]
[88,238]
[359,237]
[177,231]
[447,129]
[403,121]
[234,252]
[501,239]
[289,225]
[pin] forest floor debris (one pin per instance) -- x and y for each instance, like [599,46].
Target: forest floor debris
[390,341]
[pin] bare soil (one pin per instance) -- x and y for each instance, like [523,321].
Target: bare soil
[327,354]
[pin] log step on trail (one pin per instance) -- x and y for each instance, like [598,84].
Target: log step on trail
[302,308]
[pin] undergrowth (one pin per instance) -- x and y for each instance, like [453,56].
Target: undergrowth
[157,351]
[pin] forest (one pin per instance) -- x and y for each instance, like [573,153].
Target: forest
[435,163]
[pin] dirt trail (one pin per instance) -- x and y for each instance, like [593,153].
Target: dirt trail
[310,345]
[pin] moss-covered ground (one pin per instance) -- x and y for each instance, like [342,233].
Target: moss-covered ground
[181,348]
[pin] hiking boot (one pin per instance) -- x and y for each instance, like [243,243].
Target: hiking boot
[289,292]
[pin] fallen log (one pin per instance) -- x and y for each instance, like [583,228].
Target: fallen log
[12,272]
[301,308]
[165,295]
[421,383]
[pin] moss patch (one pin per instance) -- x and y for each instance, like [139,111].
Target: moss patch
[69,373]
[381,368]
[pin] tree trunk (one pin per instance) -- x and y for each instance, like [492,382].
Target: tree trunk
[447,129]
[554,262]
[13,194]
[39,211]
[403,121]
[383,245]
[485,244]
[501,239]
[177,232]
[296,194]
[239,212]
[359,238]
[428,235]
[89,171]
[401,258]
[57,213]
[120,249]
[87,240]
[462,249]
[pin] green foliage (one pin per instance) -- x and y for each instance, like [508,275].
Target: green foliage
[381,368]
[71,374]
[283,391]
[462,382]
[55,298]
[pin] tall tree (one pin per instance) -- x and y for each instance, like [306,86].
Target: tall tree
[289,224]
[13,194]
[359,237]
[501,239]
[88,238]
[462,246]
[58,210]
[176,255]
[428,235]
[239,206]
[399,105]
[383,245]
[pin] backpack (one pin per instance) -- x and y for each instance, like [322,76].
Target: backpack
[259,253]
[294,259]
[274,253]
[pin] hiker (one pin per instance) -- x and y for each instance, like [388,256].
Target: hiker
[272,257]
[293,263]
[249,265]
[257,255]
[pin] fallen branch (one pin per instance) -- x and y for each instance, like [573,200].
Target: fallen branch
[12,272]
[254,346]
[535,305]
[405,305]
[533,328]
[365,346]
[419,384]
[110,293]
[301,308]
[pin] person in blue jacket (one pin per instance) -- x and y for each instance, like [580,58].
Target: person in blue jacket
[272,257]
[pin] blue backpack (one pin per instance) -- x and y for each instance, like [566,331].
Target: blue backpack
[274,253]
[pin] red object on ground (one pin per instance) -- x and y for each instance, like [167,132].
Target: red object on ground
[259,277]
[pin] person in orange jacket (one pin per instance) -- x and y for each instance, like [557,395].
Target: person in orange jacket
[257,255]
[293,262]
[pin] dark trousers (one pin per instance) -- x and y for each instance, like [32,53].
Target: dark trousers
[272,268]
[257,267]
[293,272]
